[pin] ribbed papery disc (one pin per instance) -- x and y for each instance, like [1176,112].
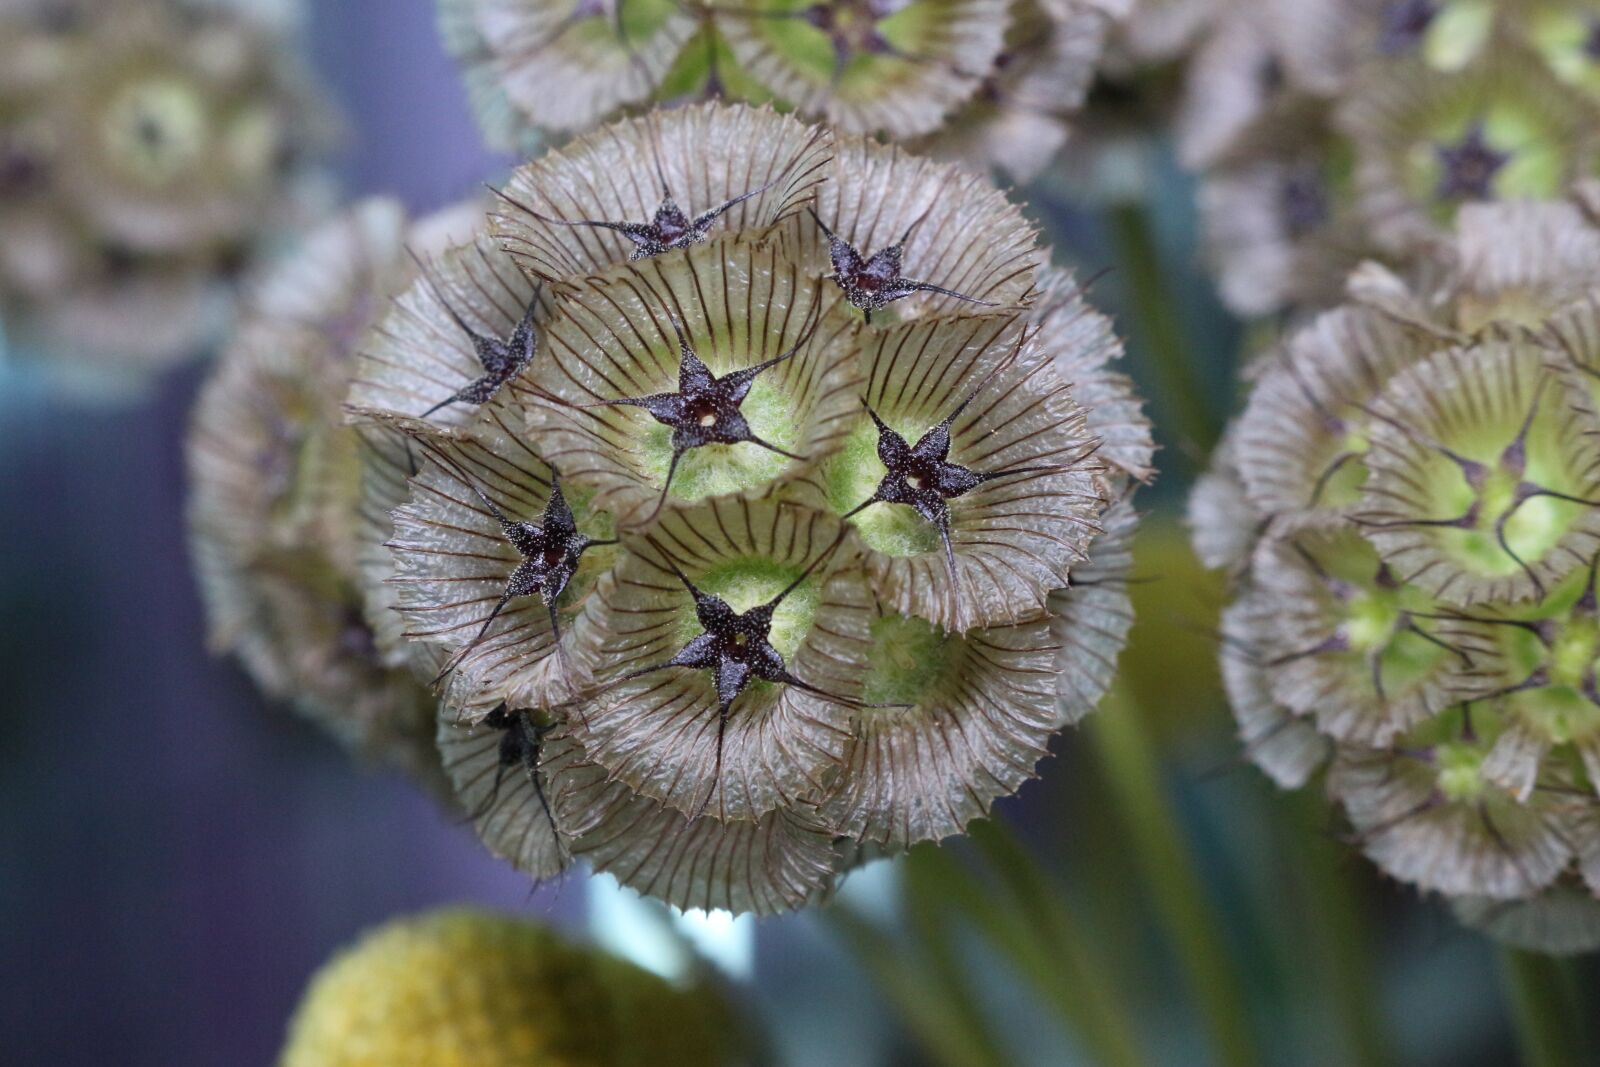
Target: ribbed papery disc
[1345,644]
[1223,525]
[1563,920]
[566,73]
[1487,845]
[1090,620]
[970,238]
[1303,437]
[1234,81]
[984,710]
[1575,332]
[453,564]
[740,303]
[1014,539]
[1084,348]
[1018,121]
[388,461]
[776,863]
[1286,746]
[707,154]
[419,356]
[275,480]
[945,48]
[1275,236]
[493,784]
[658,732]
[1400,119]
[1473,403]
[1522,262]
[1585,822]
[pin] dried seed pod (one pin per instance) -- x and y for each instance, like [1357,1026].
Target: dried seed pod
[721,169]
[1000,494]
[492,565]
[730,645]
[698,375]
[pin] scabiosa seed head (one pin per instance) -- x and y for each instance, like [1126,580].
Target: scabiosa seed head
[146,150]
[280,522]
[1408,511]
[709,567]
[1000,77]
[459,986]
[1381,123]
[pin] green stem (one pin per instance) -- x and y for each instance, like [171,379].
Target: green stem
[943,1032]
[1051,949]
[1133,775]
[1155,322]
[1541,1005]
[1336,923]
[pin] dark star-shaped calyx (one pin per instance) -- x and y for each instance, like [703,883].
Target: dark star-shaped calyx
[873,282]
[668,229]
[1469,167]
[705,410]
[501,359]
[922,476]
[1405,22]
[551,550]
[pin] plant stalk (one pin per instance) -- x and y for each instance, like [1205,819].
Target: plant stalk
[1132,772]
[1542,1009]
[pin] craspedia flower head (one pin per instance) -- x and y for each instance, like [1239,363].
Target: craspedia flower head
[460,987]
[998,73]
[1407,509]
[276,511]
[716,527]
[152,147]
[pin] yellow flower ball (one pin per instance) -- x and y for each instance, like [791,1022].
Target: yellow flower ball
[460,988]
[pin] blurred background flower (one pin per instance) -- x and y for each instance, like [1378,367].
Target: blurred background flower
[182,856]
[149,152]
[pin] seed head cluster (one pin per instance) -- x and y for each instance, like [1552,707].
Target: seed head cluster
[1327,132]
[989,80]
[1410,508]
[716,579]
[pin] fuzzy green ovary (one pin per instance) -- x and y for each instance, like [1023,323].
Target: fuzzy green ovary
[752,581]
[912,30]
[909,659]
[641,19]
[1457,34]
[1459,770]
[1345,485]
[1533,528]
[1373,623]
[691,73]
[1561,37]
[155,128]
[719,470]
[852,476]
